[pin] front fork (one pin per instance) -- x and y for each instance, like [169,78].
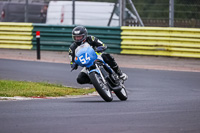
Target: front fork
[97,67]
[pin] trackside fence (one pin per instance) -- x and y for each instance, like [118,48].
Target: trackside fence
[165,41]
[59,37]
[179,42]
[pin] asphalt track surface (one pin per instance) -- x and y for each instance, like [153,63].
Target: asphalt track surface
[159,102]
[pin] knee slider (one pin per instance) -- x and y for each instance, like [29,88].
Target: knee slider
[83,78]
[80,81]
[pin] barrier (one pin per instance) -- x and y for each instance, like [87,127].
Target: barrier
[16,35]
[179,42]
[53,37]
[59,37]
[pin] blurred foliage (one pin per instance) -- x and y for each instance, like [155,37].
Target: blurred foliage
[189,9]
[159,9]
[149,9]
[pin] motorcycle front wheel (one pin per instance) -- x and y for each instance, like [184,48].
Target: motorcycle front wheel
[101,87]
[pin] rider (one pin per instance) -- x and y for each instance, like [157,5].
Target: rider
[79,35]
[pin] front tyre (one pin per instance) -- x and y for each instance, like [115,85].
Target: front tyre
[122,94]
[101,87]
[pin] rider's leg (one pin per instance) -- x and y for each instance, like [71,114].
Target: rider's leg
[113,64]
[83,77]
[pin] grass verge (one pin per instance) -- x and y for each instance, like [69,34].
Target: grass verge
[9,88]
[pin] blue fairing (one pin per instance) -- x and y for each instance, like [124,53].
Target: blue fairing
[85,56]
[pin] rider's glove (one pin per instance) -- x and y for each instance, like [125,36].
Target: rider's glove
[74,66]
[100,49]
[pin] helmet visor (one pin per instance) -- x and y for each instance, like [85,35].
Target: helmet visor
[78,38]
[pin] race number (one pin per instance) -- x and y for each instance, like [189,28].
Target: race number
[84,58]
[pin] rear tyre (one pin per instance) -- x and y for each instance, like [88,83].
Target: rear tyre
[122,94]
[100,87]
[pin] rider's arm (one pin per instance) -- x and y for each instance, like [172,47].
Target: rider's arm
[72,53]
[74,66]
[70,57]
[95,42]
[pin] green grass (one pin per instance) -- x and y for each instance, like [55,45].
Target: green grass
[9,88]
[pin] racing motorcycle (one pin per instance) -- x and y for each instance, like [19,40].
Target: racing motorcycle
[103,78]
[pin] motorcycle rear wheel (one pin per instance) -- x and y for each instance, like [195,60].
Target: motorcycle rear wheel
[122,94]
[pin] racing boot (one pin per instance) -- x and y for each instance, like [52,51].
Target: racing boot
[119,72]
[113,64]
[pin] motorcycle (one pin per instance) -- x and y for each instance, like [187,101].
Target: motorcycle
[103,78]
